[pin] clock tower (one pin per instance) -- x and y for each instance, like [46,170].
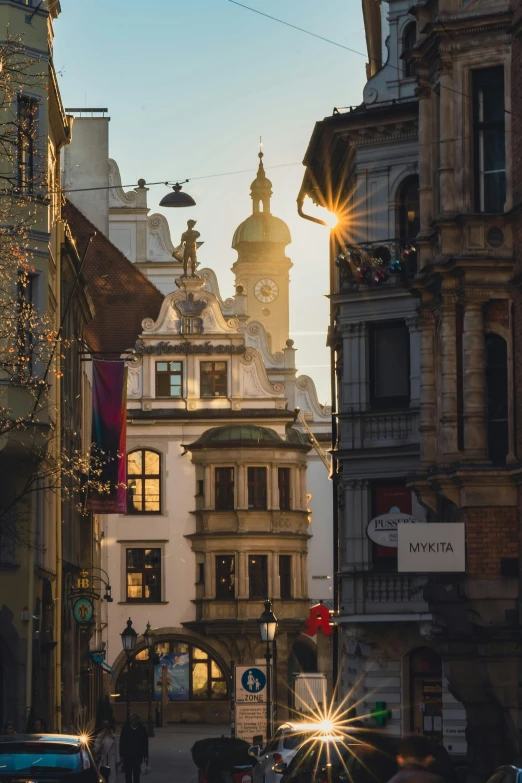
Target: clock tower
[262,267]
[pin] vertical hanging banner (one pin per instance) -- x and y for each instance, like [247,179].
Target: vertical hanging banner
[108,438]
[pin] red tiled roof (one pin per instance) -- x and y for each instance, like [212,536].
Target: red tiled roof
[122,295]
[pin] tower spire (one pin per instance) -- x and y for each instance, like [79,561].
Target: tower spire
[261,187]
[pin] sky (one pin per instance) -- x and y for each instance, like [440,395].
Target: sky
[190,86]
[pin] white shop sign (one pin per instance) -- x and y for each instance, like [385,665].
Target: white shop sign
[435,548]
[383,529]
[250,684]
[250,720]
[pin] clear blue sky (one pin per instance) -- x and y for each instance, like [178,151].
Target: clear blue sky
[190,86]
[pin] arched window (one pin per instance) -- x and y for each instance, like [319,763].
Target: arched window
[497,398]
[409,37]
[143,482]
[192,675]
[408,212]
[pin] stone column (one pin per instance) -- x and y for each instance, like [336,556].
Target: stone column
[428,392]
[414,330]
[426,100]
[446,131]
[302,485]
[274,487]
[304,575]
[274,589]
[209,591]
[242,575]
[241,487]
[207,487]
[474,380]
[448,350]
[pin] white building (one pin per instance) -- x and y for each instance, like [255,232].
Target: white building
[228,503]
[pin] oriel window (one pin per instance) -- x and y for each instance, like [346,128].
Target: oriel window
[489,139]
[283,480]
[144,575]
[285,576]
[258,576]
[213,379]
[225,577]
[143,482]
[257,487]
[169,379]
[224,485]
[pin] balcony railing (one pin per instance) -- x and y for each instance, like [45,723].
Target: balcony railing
[372,593]
[372,429]
[391,261]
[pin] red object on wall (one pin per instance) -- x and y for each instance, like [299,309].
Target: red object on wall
[318,620]
[388,496]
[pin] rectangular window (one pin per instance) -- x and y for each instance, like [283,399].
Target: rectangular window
[26,319]
[224,488]
[283,480]
[144,575]
[257,487]
[285,575]
[169,379]
[389,365]
[27,125]
[258,576]
[213,379]
[225,577]
[489,139]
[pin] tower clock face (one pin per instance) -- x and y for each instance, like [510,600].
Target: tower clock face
[266,290]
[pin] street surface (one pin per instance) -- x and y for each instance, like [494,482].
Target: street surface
[169,753]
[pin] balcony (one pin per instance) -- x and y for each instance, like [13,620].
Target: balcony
[382,594]
[374,429]
[390,262]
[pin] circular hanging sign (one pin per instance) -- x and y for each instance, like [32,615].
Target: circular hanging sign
[83,611]
[382,530]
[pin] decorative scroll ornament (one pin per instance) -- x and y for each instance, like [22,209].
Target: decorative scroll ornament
[373,264]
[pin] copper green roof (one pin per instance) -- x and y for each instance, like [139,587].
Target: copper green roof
[262,227]
[239,435]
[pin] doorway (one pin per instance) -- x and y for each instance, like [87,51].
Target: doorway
[425,690]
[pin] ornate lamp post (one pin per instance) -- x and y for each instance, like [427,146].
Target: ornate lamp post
[268,627]
[128,641]
[150,638]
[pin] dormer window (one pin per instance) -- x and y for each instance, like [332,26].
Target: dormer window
[409,36]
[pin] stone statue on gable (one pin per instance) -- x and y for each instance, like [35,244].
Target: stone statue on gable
[187,250]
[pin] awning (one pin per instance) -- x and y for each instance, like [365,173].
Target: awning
[104,665]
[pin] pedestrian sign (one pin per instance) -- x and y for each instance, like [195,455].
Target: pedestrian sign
[250,684]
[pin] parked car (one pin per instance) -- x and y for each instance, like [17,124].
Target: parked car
[280,750]
[48,757]
[506,774]
[358,757]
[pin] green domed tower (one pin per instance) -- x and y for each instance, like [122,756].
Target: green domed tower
[262,267]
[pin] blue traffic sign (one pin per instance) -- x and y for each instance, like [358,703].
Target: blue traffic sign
[253,680]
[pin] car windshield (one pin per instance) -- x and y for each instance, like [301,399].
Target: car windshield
[31,757]
[293,741]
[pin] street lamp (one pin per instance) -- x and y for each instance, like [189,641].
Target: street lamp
[177,198]
[128,641]
[149,638]
[268,627]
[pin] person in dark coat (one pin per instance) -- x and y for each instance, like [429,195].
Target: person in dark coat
[415,757]
[134,748]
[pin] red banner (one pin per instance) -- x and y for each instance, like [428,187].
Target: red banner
[108,472]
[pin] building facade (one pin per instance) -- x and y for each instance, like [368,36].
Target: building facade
[364,166]
[221,514]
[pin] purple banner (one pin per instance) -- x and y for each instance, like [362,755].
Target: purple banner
[108,439]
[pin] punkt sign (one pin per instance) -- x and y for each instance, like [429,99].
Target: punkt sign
[382,530]
[432,548]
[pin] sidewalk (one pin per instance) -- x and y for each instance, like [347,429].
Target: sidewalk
[169,752]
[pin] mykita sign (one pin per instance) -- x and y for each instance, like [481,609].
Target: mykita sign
[433,548]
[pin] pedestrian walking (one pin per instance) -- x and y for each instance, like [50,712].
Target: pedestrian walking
[40,726]
[134,748]
[105,747]
[415,757]
[8,729]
